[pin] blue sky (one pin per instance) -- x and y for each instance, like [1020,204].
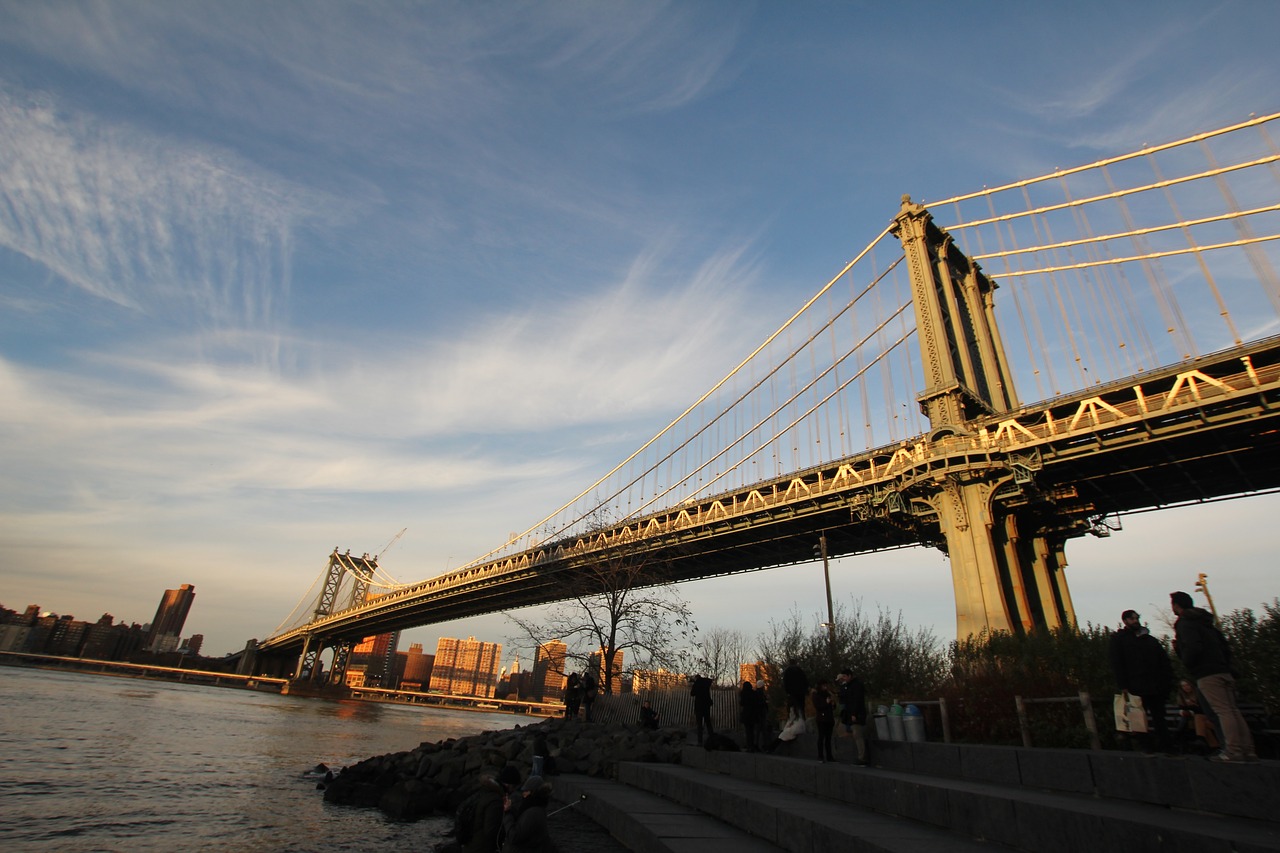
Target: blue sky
[276,278]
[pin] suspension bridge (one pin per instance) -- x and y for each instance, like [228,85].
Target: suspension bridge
[1135,299]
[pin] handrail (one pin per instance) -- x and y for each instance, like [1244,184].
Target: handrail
[1086,706]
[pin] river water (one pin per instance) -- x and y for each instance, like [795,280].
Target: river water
[90,762]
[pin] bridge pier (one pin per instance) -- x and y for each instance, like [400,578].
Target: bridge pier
[1007,561]
[1007,569]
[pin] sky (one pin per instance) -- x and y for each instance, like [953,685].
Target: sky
[279,278]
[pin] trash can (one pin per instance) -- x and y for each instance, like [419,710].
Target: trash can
[896,729]
[913,723]
[882,722]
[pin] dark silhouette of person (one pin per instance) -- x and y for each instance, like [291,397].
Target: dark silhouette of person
[525,823]
[1207,657]
[796,685]
[572,696]
[589,691]
[701,693]
[648,716]
[852,698]
[1142,668]
[824,712]
[478,821]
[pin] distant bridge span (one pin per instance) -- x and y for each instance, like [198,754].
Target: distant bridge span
[1201,430]
[1148,258]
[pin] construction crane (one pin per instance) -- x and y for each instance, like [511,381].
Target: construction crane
[393,541]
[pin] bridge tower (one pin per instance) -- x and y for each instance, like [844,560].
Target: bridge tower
[1007,556]
[361,570]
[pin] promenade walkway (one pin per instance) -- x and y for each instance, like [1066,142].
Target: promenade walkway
[935,797]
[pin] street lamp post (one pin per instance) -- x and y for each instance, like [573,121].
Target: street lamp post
[1202,585]
[821,550]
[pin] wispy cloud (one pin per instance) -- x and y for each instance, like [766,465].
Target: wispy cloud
[158,418]
[158,225]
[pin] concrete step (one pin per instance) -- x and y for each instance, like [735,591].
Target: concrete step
[1186,782]
[1015,815]
[792,820]
[644,822]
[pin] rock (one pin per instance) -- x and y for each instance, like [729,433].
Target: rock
[408,799]
[435,777]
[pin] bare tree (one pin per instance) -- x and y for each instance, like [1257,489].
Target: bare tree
[621,603]
[881,649]
[720,651]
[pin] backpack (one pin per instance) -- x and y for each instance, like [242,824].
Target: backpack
[464,822]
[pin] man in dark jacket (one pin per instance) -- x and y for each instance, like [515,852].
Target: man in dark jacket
[1142,669]
[525,824]
[796,685]
[479,818]
[1204,650]
[701,693]
[852,697]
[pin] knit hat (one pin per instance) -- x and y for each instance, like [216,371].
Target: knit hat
[1181,599]
[509,776]
[1128,613]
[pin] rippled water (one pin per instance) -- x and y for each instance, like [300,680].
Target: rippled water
[100,763]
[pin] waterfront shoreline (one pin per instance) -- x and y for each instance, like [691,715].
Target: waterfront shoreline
[281,686]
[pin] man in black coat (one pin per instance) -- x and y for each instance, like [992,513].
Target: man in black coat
[1207,656]
[796,685]
[1142,669]
[852,698]
[701,693]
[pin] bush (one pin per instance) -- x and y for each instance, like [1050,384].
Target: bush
[989,670]
[891,659]
[1255,648]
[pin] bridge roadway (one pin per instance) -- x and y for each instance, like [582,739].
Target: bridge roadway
[1200,430]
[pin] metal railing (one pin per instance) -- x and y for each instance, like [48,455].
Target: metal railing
[1086,708]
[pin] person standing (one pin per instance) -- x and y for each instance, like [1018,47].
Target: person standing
[824,712]
[589,691]
[1142,668]
[796,685]
[701,693]
[761,697]
[572,696]
[1204,650]
[852,696]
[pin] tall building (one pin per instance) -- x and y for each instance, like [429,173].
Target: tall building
[753,672]
[548,671]
[171,615]
[658,679]
[465,667]
[374,658]
[417,669]
[595,665]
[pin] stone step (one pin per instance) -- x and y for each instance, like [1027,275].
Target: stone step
[1016,816]
[795,820]
[1184,782]
[644,822]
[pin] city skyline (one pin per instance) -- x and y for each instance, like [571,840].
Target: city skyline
[284,278]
